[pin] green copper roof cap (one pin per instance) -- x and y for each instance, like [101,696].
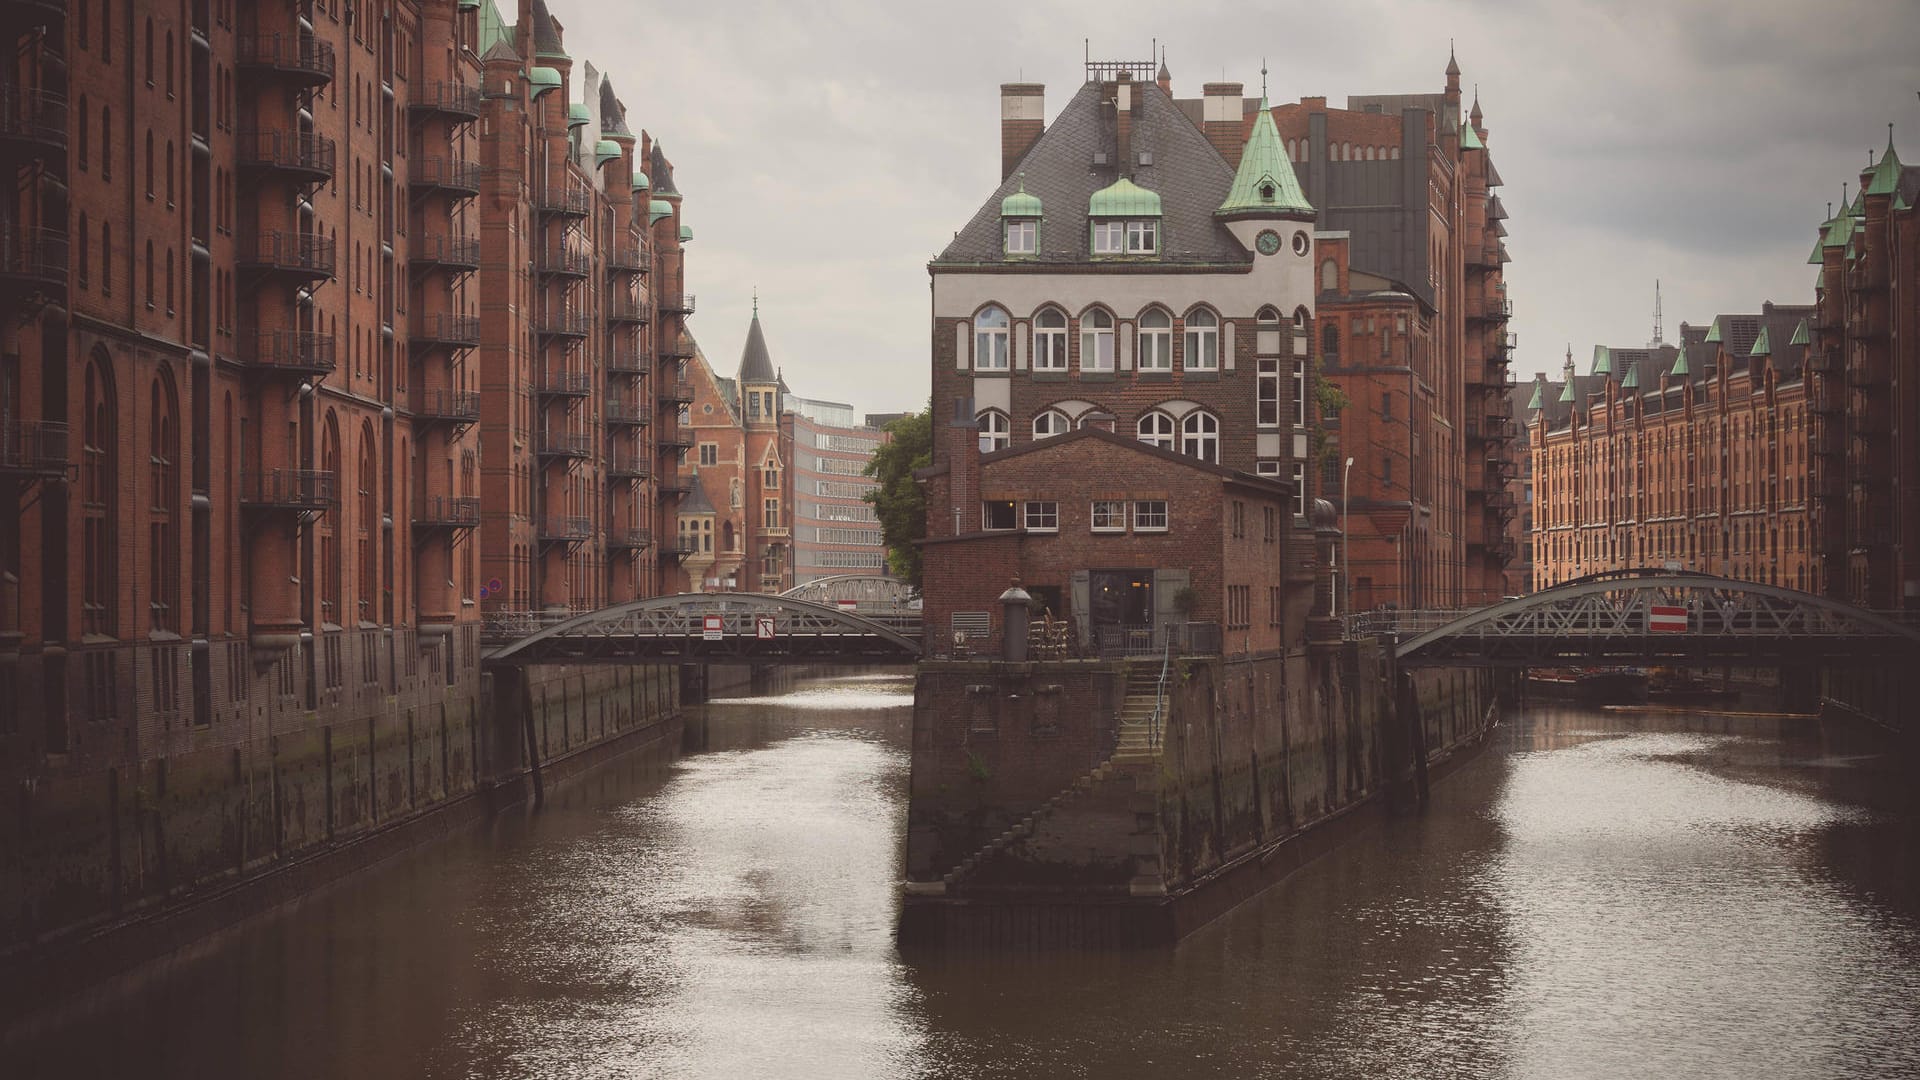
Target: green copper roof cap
[686,233]
[640,181]
[1713,332]
[1566,391]
[1539,387]
[1470,139]
[1021,204]
[1679,370]
[605,150]
[1859,206]
[577,114]
[543,80]
[1264,182]
[469,5]
[1800,335]
[1814,259]
[1123,198]
[1900,200]
[1602,361]
[657,209]
[1886,175]
[1632,380]
[493,28]
[1762,345]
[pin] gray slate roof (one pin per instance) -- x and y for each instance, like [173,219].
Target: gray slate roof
[546,38]
[613,115]
[755,365]
[1187,173]
[695,501]
[660,173]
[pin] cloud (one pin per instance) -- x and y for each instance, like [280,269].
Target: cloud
[827,151]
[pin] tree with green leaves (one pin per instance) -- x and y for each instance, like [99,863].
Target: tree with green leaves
[899,501]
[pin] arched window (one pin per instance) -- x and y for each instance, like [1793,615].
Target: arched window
[1050,340]
[106,142]
[84,241]
[367,525]
[1330,341]
[163,484]
[83,137]
[149,275]
[726,535]
[149,52]
[990,340]
[994,431]
[169,63]
[1200,436]
[1268,314]
[1096,340]
[149,163]
[106,258]
[1156,429]
[169,173]
[1393,154]
[1049,423]
[99,487]
[1156,341]
[1329,275]
[1203,341]
[169,281]
[329,527]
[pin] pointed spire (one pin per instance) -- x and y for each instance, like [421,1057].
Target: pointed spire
[1886,175]
[1539,390]
[756,365]
[1475,113]
[1632,379]
[1264,183]
[756,301]
[1453,66]
[1679,370]
[1602,361]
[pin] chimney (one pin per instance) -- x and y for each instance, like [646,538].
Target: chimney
[1224,119]
[1022,118]
[1123,124]
[963,470]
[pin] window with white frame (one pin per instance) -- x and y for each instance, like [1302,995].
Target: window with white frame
[997,515]
[1299,488]
[1143,237]
[1156,341]
[1266,405]
[994,434]
[1156,429]
[1203,341]
[990,340]
[1200,436]
[1299,393]
[1096,341]
[1050,340]
[1150,515]
[772,513]
[1022,237]
[1109,237]
[1109,515]
[1049,423]
[1266,468]
[1042,515]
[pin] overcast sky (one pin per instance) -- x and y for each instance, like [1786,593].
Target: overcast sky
[828,150]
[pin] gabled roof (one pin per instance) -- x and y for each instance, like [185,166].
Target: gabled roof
[1265,483]
[1188,174]
[1265,183]
[756,366]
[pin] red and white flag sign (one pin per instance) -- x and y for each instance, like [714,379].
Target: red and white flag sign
[1665,619]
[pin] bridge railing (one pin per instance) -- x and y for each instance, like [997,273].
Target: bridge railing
[1059,639]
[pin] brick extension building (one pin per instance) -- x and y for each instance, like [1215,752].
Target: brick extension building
[322,326]
[1158,266]
[1774,447]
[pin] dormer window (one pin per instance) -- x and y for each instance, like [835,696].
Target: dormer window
[1143,237]
[1109,237]
[1023,237]
[1125,219]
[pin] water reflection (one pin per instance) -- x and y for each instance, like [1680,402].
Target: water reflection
[1602,894]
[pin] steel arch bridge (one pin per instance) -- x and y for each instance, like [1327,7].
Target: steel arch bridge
[1646,616]
[875,591]
[698,626]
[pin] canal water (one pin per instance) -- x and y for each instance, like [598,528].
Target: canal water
[1601,894]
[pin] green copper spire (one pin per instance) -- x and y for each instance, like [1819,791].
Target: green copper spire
[1679,370]
[1713,332]
[1801,335]
[1264,184]
[1566,392]
[1539,388]
[1632,379]
[1470,139]
[1602,361]
[1762,346]
[1123,198]
[493,28]
[1020,204]
[1814,259]
[1886,175]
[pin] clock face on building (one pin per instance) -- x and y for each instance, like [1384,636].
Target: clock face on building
[1268,242]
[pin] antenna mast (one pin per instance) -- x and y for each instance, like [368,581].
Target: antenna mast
[1658,338]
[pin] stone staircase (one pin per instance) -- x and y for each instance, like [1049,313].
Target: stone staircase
[1134,751]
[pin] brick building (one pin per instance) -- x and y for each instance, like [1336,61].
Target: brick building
[1690,456]
[1158,267]
[371,298]
[1113,535]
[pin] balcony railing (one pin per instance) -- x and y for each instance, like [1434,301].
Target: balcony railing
[447,512]
[307,490]
[569,199]
[566,444]
[33,259]
[33,448]
[34,118]
[292,352]
[628,539]
[299,56]
[627,414]
[451,331]
[448,407]
[680,547]
[677,305]
[443,249]
[567,261]
[627,361]
[675,483]
[32,12]
[679,392]
[444,174]
[309,157]
[306,255]
[676,439]
[625,310]
[626,467]
[443,96]
[567,528]
[564,324]
[566,383]
[627,259]
[677,352]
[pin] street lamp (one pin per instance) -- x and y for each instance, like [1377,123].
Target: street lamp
[1346,579]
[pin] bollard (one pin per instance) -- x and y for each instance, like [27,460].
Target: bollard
[1014,623]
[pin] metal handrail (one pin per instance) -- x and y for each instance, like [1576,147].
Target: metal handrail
[1160,694]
